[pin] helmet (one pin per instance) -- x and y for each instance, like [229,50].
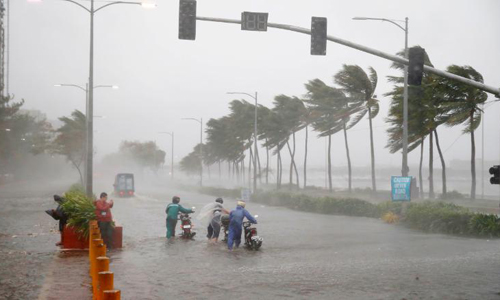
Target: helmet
[219,200]
[241,203]
[176,199]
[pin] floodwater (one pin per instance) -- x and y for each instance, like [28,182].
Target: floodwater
[303,256]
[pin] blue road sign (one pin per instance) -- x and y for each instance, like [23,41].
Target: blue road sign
[401,188]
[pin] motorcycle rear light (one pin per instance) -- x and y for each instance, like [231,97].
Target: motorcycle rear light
[130,193]
[121,193]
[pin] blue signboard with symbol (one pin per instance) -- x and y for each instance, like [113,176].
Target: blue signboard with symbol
[401,188]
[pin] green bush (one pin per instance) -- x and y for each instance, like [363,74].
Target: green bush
[485,225]
[437,217]
[80,210]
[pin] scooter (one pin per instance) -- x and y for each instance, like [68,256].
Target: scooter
[224,220]
[252,240]
[186,226]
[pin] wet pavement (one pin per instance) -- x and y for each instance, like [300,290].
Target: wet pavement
[304,256]
[31,266]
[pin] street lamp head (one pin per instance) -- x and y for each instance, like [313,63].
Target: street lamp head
[115,87]
[58,85]
[359,18]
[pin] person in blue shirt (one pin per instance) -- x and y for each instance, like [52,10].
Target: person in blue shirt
[172,210]
[236,223]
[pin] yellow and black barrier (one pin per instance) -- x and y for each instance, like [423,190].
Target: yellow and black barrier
[102,278]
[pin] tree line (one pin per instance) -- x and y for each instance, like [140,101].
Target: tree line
[331,109]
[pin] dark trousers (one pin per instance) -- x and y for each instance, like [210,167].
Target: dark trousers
[106,233]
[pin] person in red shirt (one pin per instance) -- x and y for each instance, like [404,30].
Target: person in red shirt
[104,219]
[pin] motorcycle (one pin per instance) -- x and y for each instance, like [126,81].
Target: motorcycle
[186,226]
[252,240]
[224,220]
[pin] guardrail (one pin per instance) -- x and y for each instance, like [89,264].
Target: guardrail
[102,278]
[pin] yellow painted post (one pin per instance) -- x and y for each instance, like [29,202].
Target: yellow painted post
[100,250]
[95,236]
[105,283]
[112,295]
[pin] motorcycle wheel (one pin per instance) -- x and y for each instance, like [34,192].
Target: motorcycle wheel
[256,245]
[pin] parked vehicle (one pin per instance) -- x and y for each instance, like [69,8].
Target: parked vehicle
[124,185]
[252,240]
[186,226]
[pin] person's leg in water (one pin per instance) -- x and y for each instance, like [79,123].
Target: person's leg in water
[171,223]
[237,238]
[210,231]
[216,231]
[234,234]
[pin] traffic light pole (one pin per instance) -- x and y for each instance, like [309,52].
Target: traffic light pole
[394,58]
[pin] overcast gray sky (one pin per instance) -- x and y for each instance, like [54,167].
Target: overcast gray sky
[163,79]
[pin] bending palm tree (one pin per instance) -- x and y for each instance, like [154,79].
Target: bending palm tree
[360,88]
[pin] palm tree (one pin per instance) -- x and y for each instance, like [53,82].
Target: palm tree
[427,114]
[463,104]
[291,111]
[323,102]
[360,88]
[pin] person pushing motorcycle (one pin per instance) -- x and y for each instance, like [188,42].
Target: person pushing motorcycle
[236,223]
[172,211]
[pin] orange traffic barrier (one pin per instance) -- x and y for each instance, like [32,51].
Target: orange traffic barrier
[105,283]
[102,278]
[112,295]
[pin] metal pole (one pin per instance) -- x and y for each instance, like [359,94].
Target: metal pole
[482,154]
[255,149]
[405,168]
[201,151]
[172,166]
[90,117]
[394,58]
[86,133]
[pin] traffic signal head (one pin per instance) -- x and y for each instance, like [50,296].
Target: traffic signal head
[187,19]
[495,171]
[416,66]
[318,36]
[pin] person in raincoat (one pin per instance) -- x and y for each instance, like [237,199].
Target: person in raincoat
[210,216]
[236,223]
[172,211]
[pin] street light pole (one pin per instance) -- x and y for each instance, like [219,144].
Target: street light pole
[404,168]
[201,146]
[172,163]
[90,124]
[255,137]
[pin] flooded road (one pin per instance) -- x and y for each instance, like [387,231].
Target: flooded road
[303,256]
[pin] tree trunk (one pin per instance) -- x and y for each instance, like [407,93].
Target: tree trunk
[278,169]
[305,160]
[349,169]
[374,184]
[237,166]
[267,163]
[250,165]
[243,171]
[330,187]
[219,171]
[295,164]
[431,168]
[443,164]
[291,165]
[259,173]
[77,166]
[472,157]
[421,181]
